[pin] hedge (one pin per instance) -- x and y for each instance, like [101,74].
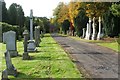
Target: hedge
[7,27]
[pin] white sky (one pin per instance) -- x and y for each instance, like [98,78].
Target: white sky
[41,8]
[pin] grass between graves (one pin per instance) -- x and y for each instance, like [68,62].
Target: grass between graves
[110,44]
[50,61]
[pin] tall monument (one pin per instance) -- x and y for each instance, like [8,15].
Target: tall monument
[93,25]
[99,33]
[31,45]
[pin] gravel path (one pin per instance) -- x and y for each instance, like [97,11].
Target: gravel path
[97,61]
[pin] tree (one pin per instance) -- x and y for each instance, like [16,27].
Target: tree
[115,8]
[61,13]
[96,9]
[65,26]
[4,13]
[12,12]
[80,22]
[20,19]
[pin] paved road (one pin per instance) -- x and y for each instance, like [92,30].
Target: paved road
[97,61]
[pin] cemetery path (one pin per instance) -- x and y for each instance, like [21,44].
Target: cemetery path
[92,60]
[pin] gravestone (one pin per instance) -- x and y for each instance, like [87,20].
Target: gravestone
[0,31]
[37,36]
[94,34]
[99,36]
[67,32]
[4,75]
[10,40]
[25,54]
[31,45]
[11,70]
[38,32]
[86,36]
[4,36]
[43,35]
[83,36]
[89,29]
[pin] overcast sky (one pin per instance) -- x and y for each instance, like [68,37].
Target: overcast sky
[41,8]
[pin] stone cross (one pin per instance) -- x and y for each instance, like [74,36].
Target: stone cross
[93,25]
[99,33]
[10,40]
[31,45]
[25,54]
[11,70]
[31,25]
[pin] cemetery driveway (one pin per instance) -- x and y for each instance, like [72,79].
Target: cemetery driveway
[92,60]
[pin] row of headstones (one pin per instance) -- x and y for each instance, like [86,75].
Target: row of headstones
[92,36]
[87,32]
[9,38]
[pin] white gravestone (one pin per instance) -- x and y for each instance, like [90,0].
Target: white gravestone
[99,36]
[31,45]
[83,36]
[10,40]
[86,36]
[89,29]
[93,25]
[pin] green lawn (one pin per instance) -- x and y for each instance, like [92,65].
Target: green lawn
[50,61]
[112,45]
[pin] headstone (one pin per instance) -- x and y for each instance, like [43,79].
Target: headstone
[4,75]
[94,34]
[43,35]
[31,45]
[4,36]
[67,32]
[86,36]
[10,40]
[25,54]
[11,70]
[0,29]
[83,36]
[99,36]
[37,36]
[89,29]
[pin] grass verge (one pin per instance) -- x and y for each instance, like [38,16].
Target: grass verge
[112,44]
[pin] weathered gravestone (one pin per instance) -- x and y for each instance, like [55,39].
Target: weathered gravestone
[0,32]
[10,69]
[42,35]
[10,40]
[5,75]
[4,36]
[25,54]
[37,36]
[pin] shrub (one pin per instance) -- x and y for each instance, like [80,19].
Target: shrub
[7,27]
